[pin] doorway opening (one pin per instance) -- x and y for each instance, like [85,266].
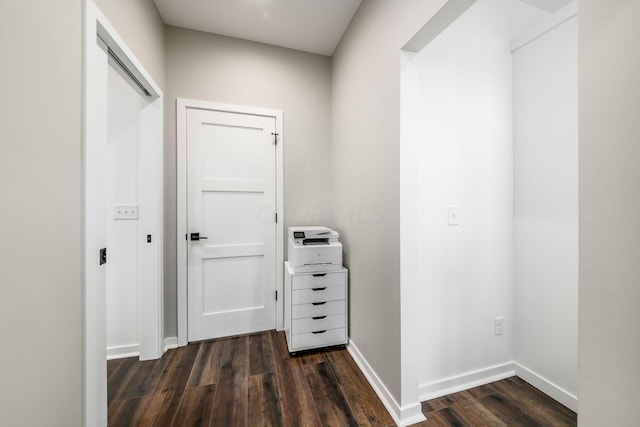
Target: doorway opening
[489,194]
[123,205]
[132,215]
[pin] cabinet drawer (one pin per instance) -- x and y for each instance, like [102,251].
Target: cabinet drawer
[324,293]
[328,337]
[300,311]
[318,280]
[319,323]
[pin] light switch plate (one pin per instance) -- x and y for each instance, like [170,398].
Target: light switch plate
[453,214]
[125,212]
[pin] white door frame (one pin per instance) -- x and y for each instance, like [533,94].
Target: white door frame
[150,314]
[182,244]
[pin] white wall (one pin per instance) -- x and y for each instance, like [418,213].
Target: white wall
[457,115]
[609,337]
[122,235]
[222,69]
[41,213]
[545,86]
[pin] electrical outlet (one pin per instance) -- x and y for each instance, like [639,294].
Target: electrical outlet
[125,212]
[499,325]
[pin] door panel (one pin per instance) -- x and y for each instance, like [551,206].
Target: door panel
[237,211]
[232,284]
[225,159]
[231,202]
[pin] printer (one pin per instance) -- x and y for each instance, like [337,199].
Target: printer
[313,249]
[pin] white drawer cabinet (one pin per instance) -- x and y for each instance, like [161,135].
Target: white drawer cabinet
[315,309]
[305,296]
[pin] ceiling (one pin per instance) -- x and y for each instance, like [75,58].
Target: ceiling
[548,5]
[309,25]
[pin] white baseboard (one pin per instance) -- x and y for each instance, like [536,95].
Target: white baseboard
[120,352]
[465,381]
[169,343]
[133,350]
[402,416]
[547,387]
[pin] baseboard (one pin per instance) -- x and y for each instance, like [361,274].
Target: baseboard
[410,414]
[465,381]
[120,352]
[402,416]
[547,387]
[133,350]
[169,343]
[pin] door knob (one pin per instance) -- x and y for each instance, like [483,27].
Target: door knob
[197,236]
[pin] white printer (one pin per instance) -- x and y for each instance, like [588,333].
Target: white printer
[314,248]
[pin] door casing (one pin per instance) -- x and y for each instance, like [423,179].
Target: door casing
[182,105]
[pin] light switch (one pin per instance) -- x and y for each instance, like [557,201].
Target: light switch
[125,212]
[453,214]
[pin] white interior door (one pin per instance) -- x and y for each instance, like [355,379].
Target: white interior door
[231,199]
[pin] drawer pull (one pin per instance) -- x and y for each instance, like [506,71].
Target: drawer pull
[319,317]
[319,332]
[318,289]
[319,303]
[319,275]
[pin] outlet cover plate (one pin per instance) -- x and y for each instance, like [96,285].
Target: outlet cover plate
[499,325]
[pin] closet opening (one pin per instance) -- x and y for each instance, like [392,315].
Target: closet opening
[489,197]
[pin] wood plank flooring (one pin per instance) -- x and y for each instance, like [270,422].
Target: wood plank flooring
[252,381]
[243,381]
[507,403]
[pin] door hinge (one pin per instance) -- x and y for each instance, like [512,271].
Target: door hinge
[275,137]
[103,256]
[276,295]
[276,218]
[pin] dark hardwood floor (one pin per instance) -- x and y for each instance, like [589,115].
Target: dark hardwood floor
[252,381]
[507,403]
